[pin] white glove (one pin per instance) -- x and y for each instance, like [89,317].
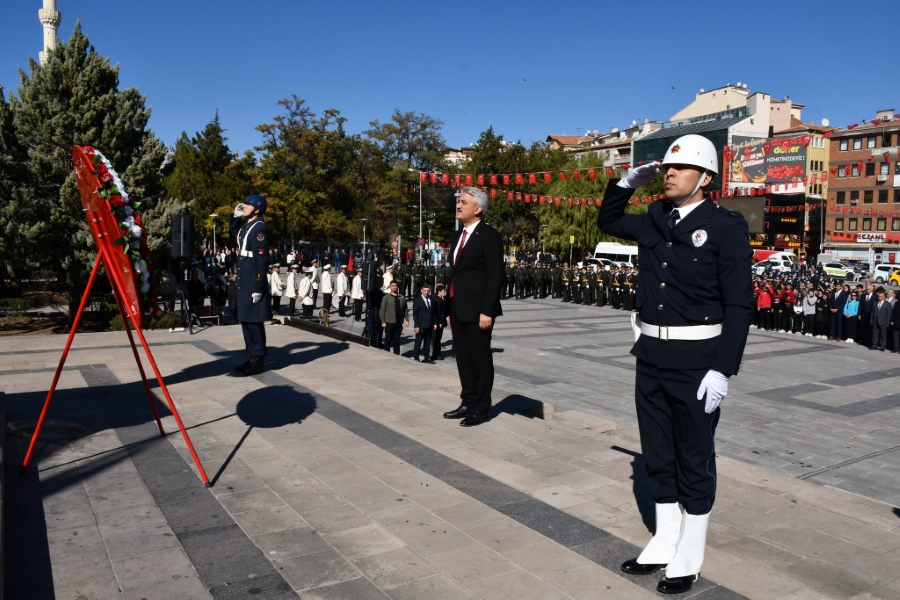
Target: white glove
[640,176]
[239,210]
[714,386]
[256,297]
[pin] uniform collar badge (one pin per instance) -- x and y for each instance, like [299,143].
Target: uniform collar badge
[698,238]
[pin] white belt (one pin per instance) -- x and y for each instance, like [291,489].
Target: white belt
[246,254]
[664,333]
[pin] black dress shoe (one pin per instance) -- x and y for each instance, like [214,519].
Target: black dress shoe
[633,567]
[416,358]
[476,417]
[242,367]
[880,348]
[458,413]
[257,365]
[676,585]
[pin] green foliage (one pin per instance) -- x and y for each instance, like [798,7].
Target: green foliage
[72,100]
[15,306]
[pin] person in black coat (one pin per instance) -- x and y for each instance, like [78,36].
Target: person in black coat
[423,322]
[440,321]
[476,281]
[694,308]
[252,241]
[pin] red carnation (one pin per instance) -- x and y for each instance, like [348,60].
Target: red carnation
[116,200]
[137,219]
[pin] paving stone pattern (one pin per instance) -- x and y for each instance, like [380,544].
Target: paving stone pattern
[336,477]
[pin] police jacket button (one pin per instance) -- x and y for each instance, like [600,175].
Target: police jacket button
[662,285]
[660,307]
[706,318]
[695,260]
[665,265]
[668,244]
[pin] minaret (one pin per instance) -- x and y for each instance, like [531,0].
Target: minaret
[50,19]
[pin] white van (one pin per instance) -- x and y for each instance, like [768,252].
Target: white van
[882,272]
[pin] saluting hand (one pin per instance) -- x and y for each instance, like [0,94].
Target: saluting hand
[640,176]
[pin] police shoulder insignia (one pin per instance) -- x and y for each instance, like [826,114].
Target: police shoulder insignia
[261,237]
[698,238]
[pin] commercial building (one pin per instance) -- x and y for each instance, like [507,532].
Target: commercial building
[863,218]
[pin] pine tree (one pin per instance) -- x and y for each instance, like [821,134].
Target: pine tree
[72,100]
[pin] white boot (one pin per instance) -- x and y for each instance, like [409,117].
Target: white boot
[660,549]
[691,547]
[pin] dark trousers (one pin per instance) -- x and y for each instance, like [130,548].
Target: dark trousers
[423,342]
[809,324]
[436,343]
[292,306]
[850,328]
[357,309]
[315,295]
[677,436]
[765,318]
[326,301]
[392,337]
[837,320]
[472,347]
[276,305]
[341,303]
[307,309]
[879,336]
[254,338]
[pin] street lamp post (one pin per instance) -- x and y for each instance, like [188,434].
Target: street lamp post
[543,244]
[364,221]
[430,225]
[214,215]
[420,199]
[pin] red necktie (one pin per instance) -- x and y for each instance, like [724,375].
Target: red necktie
[462,242]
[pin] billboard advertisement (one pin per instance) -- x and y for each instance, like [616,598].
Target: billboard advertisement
[779,163]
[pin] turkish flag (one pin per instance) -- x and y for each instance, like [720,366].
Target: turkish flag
[569,202]
[610,172]
[509,195]
[532,178]
[827,134]
[824,176]
[547,177]
[556,201]
[456,178]
[468,179]
[887,156]
[542,200]
[845,209]
[592,173]
[480,179]
[527,198]
[493,180]
[563,176]
[859,166]
[493,193]
[505,179]
[445,178]
[834,170]
[577,174]
[519,179]
[422,176]
[434,178]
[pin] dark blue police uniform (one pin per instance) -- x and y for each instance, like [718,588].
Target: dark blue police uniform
[252,241]
[699,274]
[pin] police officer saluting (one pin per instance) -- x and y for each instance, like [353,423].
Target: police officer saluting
[252,241]
[694,306]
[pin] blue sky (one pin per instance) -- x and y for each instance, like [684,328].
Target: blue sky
[527,68]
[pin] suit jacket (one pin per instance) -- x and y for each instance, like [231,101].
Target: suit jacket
[252,238]
[881,317]
[694,275]
[866,305]
[439,310]
[477,275]
[837,300]
[423,317]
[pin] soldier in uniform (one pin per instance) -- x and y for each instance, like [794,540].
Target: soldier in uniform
[401,277]
[431,276]
[418,277]
[520,281]
[555,280]
[628,290]
[538,280]
[510,275]
[593,283]
[602,282]
[566,279]
[694,308]
[253,310]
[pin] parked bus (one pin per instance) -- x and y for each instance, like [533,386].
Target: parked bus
[616,252]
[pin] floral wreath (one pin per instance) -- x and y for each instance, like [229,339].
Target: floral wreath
[130,225]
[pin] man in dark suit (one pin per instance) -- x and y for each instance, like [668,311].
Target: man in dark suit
[836,301]
[880,318]
[693,309]
[476,280]
[866,302]
[423,321]
[440,321]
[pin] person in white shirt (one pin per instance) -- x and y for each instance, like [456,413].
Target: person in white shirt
[342,289]
[356,294]
[316,271]
[305,292]
[291,290]
[276,288]
[388,278]
[327,287]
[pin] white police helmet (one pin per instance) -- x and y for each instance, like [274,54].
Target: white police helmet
[692,149]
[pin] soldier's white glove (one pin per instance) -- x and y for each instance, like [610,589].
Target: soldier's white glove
[256,297]
[239,210]
[714,386]
[640,176]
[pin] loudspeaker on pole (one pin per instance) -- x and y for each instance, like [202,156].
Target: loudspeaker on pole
[182,236]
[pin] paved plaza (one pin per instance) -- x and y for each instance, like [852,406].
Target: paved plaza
[335,476]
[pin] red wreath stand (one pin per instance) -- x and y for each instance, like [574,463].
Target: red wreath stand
[119,270]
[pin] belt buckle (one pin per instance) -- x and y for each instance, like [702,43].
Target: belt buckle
[659,334]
